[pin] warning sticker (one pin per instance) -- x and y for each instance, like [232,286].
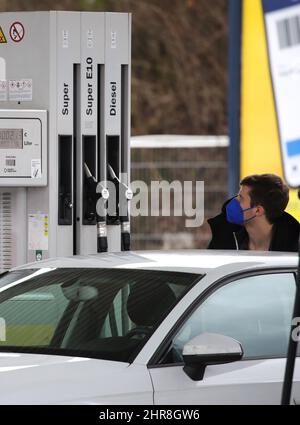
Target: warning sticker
[20,90]
[38,232]
[2,36]
[36,169]
[3,90]
[17,32]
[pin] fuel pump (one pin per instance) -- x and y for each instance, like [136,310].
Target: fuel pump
[65,115]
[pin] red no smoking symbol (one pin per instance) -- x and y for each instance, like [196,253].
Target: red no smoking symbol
[17,32]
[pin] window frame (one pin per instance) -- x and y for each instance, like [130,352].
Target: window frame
[163,348]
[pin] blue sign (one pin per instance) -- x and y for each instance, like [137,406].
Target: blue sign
[272,5]
[293,147]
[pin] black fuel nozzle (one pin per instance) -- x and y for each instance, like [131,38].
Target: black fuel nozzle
[121,187]
[91,179]
[124,195]
[89,199]
[125,235]
[100,196]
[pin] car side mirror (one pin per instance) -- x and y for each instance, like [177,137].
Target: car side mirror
[209,349]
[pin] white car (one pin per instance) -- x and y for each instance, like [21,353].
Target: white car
[181,327]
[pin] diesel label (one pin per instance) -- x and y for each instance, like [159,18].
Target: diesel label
[113,99]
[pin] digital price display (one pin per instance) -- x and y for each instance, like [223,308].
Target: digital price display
[11,138]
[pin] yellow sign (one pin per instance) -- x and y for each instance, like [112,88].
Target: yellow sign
[260,146]
[2,36]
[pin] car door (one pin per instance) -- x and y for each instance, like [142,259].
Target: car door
[256,310]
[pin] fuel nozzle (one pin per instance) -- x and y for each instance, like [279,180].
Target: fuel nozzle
[100,196]
[124,195]
[127,191]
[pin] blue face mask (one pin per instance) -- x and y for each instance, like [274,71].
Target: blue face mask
[235,213]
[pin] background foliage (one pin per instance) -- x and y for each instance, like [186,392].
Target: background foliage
[179,61]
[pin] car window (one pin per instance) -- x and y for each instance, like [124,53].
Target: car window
[256,311]
[102,313]
[46,306]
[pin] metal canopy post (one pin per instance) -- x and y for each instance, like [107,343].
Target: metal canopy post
[293,342]
[234,99]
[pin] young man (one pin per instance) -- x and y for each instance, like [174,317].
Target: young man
[255,219]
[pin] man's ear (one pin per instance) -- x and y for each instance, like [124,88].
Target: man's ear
[260,210]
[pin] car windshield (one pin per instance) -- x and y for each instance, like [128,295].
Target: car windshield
[99,313]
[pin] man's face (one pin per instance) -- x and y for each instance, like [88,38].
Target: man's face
[245,202]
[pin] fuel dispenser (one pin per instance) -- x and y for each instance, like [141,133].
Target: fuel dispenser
[64,134]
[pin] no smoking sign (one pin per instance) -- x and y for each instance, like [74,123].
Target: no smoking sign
[17,32]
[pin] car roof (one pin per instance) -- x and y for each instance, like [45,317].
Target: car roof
[191,261]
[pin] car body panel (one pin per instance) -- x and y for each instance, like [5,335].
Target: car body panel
[242,382]
[49,379]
